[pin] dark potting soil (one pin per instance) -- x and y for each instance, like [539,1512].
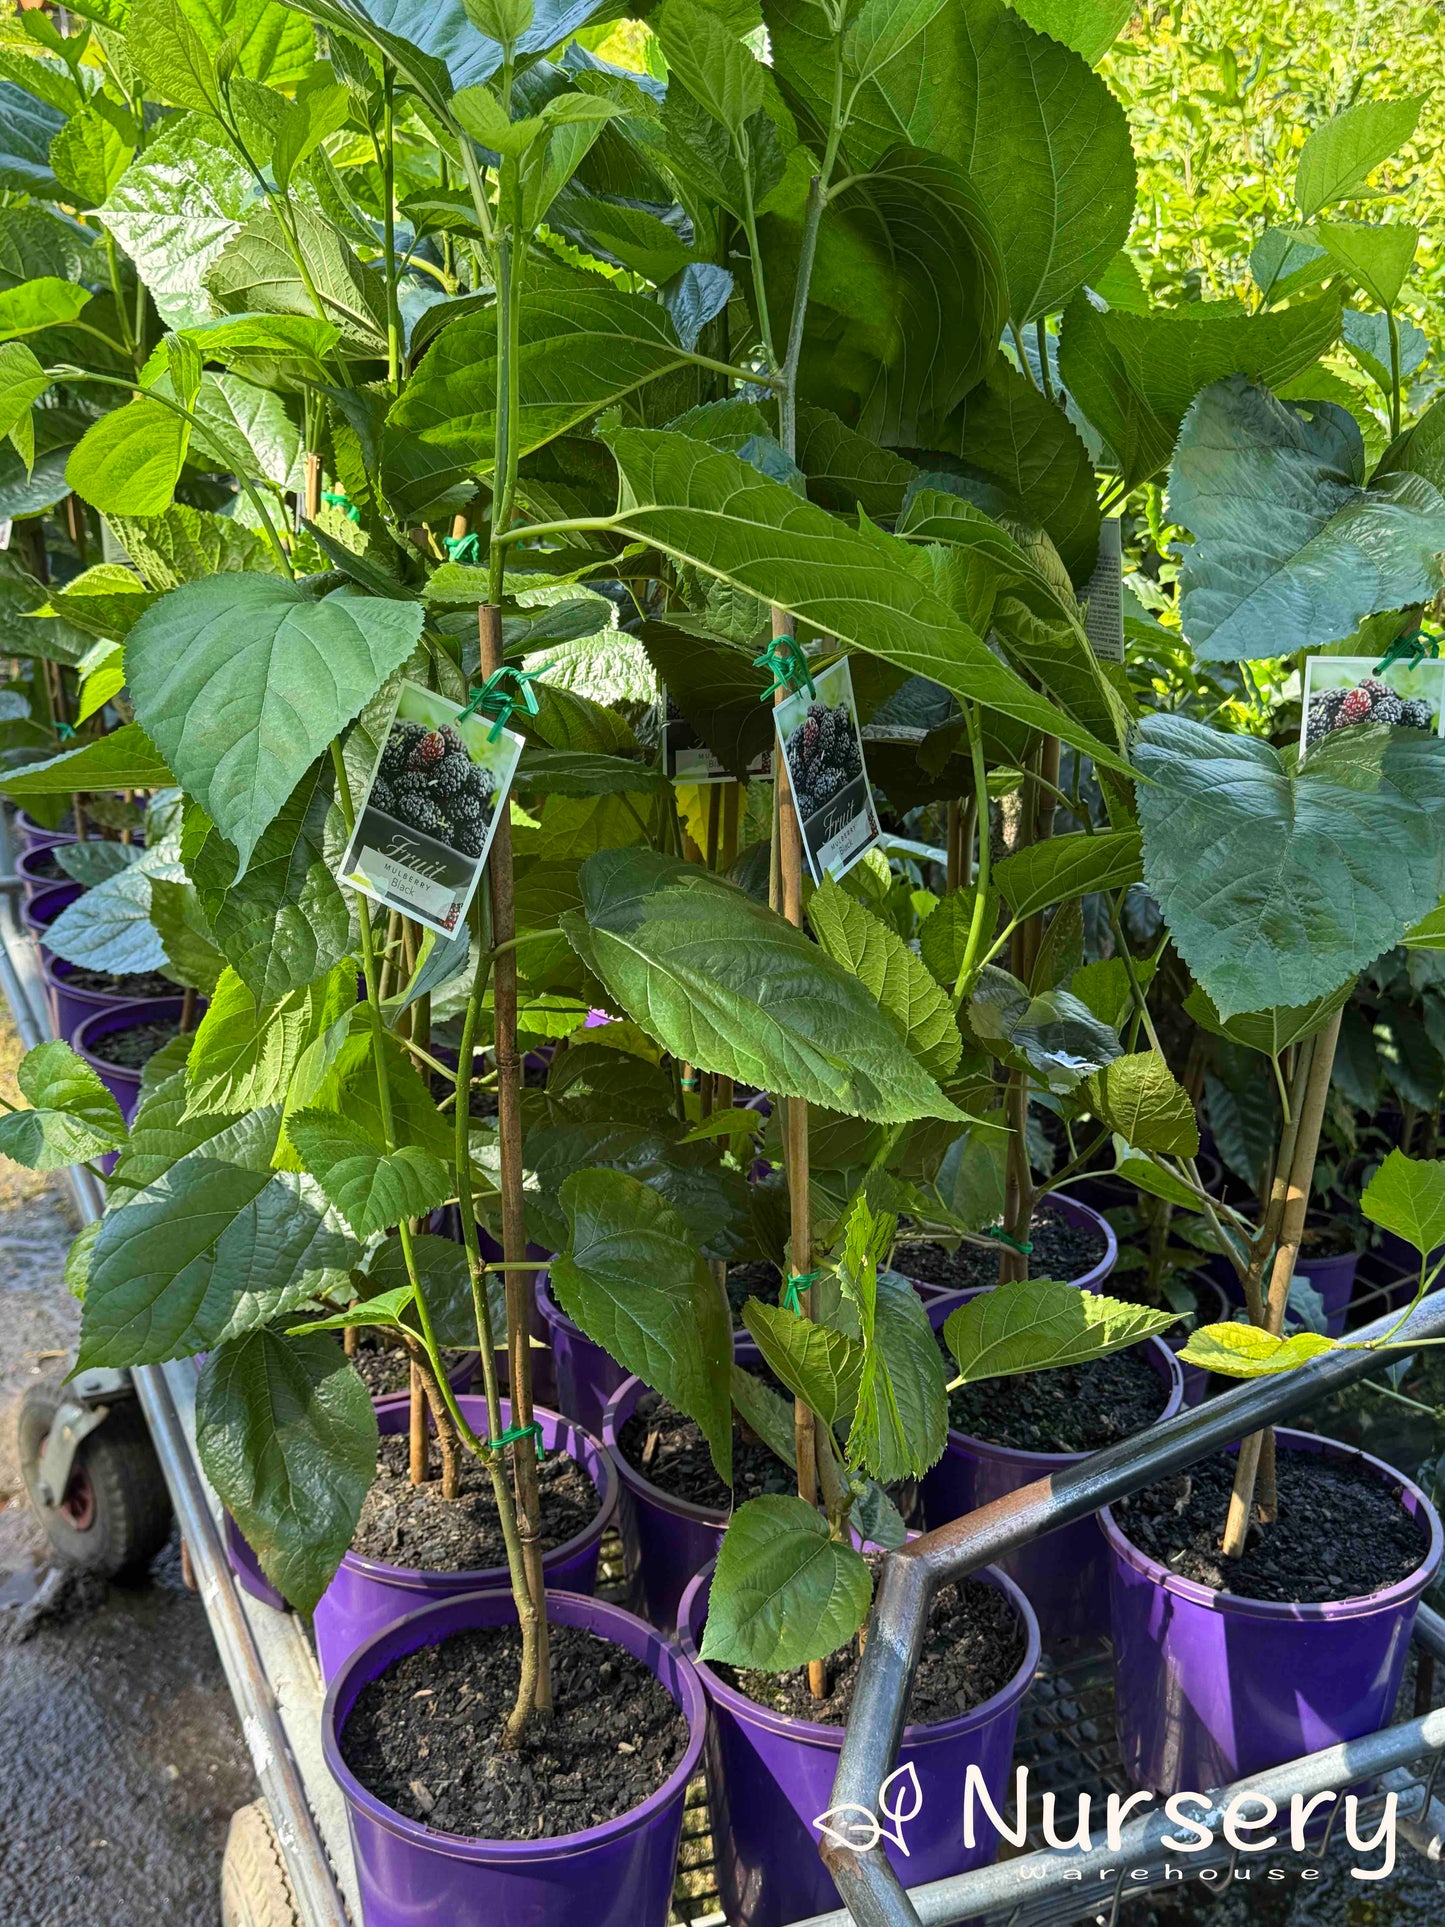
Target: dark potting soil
[403,1524]
[149,983]
[424,1737]
[974,1645]
[45,863]
[1077,1408]
[133,1047]
[670,1452]
[755,1279]
[1338,1533]
[385,1369]
[1061,1250]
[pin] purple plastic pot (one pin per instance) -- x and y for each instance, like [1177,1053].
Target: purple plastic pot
[43,908]
[35,836]
[1077,1213]
[33,867]
[1213,1310]
[1066,1572]
[247,1567]
[1333,1278]
[120,1080]
[69,1005]
[619,1874]
[367,1595]
[669,1539]
[770,1776]
[1211,1687]
[585,1376]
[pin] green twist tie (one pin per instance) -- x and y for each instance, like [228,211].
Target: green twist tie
[463,548]
[788,667]
[495,690]
[798,1283]
[339,499]
[1416,647]
[997,1231]
[64,732]
[515,1434]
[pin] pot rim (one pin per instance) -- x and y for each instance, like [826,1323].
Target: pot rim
[1088,1280]
[1172,1374]
[51,967]
[1355,1605]
[576,1609]
[489,1578]
[628,1474]
[830,1738]
[32,911]
[127,1014]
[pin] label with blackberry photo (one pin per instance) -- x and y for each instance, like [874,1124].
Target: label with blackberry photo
[423,832]
[819,737]
[1342,692]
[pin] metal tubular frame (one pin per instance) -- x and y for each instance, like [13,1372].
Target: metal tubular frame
[874,1895]
[313,1881]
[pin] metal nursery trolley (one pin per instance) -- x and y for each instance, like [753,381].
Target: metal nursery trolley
[289,1860]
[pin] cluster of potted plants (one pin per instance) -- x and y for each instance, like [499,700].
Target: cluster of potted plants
[470,390]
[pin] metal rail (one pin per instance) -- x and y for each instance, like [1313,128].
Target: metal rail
[308,1866]
[872,1891]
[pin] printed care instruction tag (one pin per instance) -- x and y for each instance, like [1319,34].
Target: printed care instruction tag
[819,737]
[423,832]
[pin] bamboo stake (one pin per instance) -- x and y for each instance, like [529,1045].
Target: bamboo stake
[1292,1223]
[514,1229]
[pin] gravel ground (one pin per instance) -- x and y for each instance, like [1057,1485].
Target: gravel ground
[121,1761]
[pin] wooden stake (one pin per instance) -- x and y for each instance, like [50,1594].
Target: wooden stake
[416,1428]
[1292,1223]
[312,487]
[514,1227]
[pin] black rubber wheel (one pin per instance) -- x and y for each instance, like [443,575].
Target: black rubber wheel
[115,1514]
[255,1891]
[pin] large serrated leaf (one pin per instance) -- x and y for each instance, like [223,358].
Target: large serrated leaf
[72,1117]
[784,1590]
[722,982]
[1064,867]
[898,978]
[1407,1196]
[1037,1324]
[243,681]
[633,1279]
[370,1186]
[286,1434]
[1139,1097]
[1277,885]
[818,1365]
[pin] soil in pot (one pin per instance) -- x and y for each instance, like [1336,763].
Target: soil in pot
[45,863]
[424,1738]
[974,1645]
[402,1524]
[755,1279]
[1061,1249]
[103,983]
[1328,1237]
[133,1047]
[1077,1408]
[385,1369]
[1338,1533]
[670,1452]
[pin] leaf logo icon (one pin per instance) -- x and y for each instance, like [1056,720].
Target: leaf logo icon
[900,1799]
[862,1830]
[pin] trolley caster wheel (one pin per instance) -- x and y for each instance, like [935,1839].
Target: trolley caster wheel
[255,1891]
[114,1515]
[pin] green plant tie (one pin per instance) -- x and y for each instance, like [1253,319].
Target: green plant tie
[514,1434]
[339,499]
[1416,647]
[64,732]
[798,1283]
[503,689]
[997,1231]
[463,548]
[788,667]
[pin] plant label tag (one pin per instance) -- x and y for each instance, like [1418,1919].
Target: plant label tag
[1341,692]
[1103,604]
[424,829]
[689,760]
[819,737]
